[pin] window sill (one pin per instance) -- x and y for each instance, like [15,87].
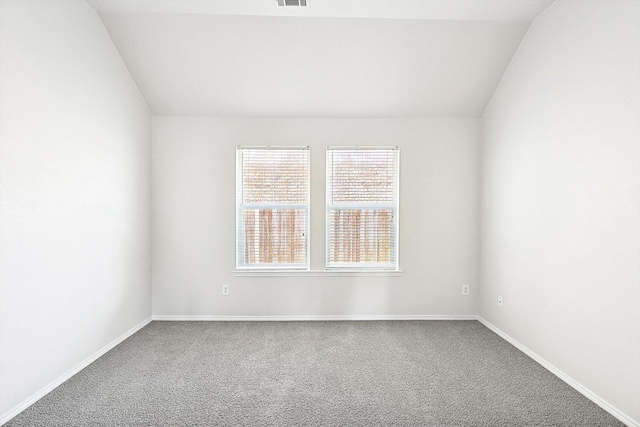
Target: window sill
[317,273]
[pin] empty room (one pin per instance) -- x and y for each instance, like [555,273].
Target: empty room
[320,213]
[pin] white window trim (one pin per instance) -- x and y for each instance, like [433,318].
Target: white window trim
[391,267]
[251,270]
[317,273]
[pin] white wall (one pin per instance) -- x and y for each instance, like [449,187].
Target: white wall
[193,218]
[560,197]
[75,195]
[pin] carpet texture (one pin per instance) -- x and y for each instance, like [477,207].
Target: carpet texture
[367,373]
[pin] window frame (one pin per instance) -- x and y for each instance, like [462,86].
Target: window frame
[241,265]
[394,265]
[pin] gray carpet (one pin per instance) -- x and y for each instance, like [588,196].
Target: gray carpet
[382,373]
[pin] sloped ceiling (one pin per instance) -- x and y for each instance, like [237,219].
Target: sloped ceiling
[249,58]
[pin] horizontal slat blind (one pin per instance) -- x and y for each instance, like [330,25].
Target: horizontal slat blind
[275,176]
[272,193]
[362,207]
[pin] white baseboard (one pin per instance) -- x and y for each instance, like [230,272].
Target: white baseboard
[337,317]
[80,366]
[564,377]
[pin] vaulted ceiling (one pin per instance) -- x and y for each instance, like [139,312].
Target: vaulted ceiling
[335,58]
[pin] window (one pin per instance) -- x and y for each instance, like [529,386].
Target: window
[272,207]
[362,207]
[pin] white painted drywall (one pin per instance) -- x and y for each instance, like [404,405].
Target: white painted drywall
[75,194]
[193,218]
[266,66]
[460,10]
[560,197]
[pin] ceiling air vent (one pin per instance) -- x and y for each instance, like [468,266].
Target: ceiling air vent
[292,2]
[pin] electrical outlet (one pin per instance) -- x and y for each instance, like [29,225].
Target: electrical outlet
[465,289]
[225,290]
[500,302]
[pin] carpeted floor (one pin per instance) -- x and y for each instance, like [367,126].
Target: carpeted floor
[367,373]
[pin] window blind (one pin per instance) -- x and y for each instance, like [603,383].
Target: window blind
[362,207]
[272,207]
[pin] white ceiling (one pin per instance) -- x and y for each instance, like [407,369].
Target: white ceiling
[466,10]
[346,58]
